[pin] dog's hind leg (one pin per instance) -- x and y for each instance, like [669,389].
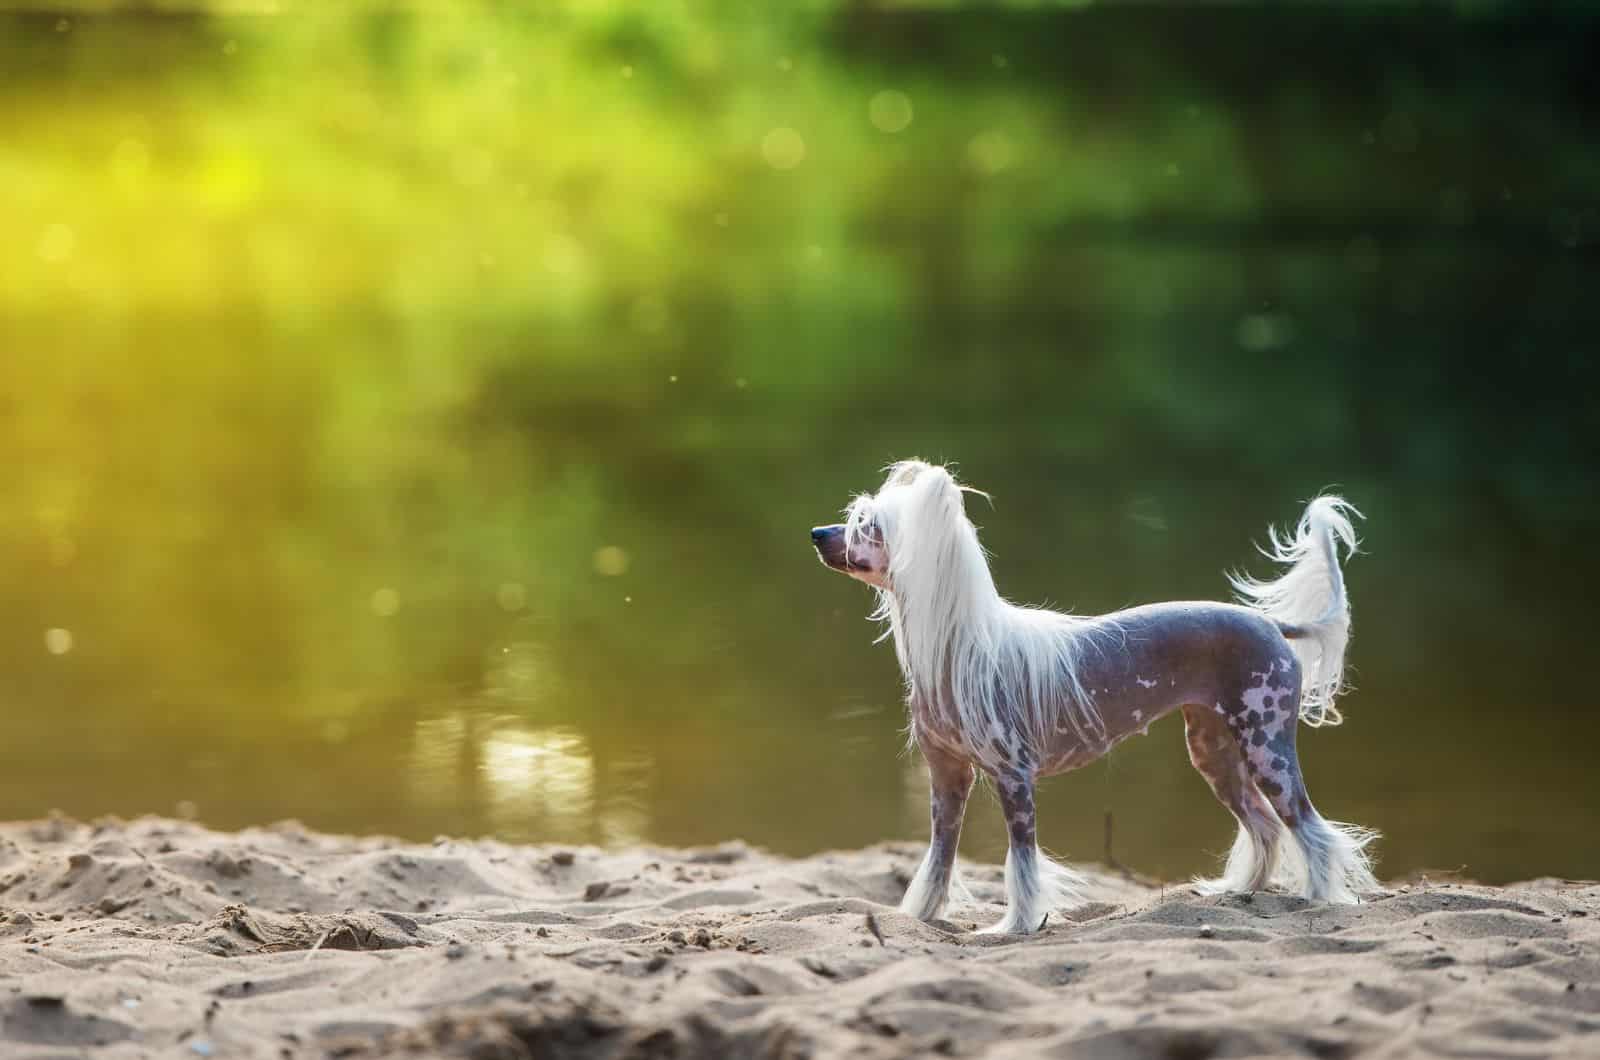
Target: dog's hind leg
[950,781]
[1337,866]
[1217,757]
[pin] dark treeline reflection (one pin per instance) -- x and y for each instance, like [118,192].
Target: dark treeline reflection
[413,420]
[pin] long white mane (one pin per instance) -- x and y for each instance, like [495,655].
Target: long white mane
[979,664]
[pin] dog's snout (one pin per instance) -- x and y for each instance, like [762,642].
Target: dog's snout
[829,543]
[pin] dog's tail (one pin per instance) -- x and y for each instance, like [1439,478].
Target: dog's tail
[1308,602]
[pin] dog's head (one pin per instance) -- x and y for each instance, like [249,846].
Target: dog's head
[911,522]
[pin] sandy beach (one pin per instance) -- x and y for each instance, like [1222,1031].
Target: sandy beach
[162,938]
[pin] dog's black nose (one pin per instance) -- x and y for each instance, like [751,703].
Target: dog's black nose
[819,534]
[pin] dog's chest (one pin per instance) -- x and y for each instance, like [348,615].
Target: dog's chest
[931,726]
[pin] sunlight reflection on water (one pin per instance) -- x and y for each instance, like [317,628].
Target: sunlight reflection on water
[525,780]
[531,772]
[433,765]
[518,673]
[624,814]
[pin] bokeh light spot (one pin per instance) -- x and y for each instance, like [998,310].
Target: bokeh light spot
[890,111]
[991,151]
[783,148]
[58,641]
[512,596]
[385,602]
[563,255]
[610,561]
[1259,332]
[56,243]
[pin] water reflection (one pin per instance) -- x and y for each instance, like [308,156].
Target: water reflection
[520,673]
[630,788]
[535,775]
[528,781]
[442,763]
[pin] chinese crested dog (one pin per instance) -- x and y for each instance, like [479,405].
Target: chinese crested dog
[1019,693]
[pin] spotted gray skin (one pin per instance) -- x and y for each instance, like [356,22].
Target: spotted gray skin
[1218,662]
[1231,671]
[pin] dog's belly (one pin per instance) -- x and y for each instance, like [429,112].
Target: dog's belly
[1148,661]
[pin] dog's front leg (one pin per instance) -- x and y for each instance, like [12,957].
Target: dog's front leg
[950,781]
[1027,901]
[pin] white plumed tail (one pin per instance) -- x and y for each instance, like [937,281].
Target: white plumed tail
[1309,601]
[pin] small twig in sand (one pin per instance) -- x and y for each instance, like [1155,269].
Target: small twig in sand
[872,926]
[317,947]
[1111,859]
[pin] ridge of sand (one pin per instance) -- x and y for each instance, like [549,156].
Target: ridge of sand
[163,938]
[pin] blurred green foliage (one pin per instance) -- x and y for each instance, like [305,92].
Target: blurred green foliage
[329,332]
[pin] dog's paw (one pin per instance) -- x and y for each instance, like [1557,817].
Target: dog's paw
[1012,925]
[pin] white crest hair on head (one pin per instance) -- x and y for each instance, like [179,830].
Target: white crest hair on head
[995,671]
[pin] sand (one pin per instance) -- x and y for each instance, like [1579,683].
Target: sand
[162,938]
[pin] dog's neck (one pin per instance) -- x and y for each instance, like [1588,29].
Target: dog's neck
[979,667]
[942,623]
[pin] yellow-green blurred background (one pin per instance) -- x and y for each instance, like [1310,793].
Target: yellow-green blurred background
[411,415]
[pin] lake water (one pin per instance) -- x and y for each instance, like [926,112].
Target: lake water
[389,504]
